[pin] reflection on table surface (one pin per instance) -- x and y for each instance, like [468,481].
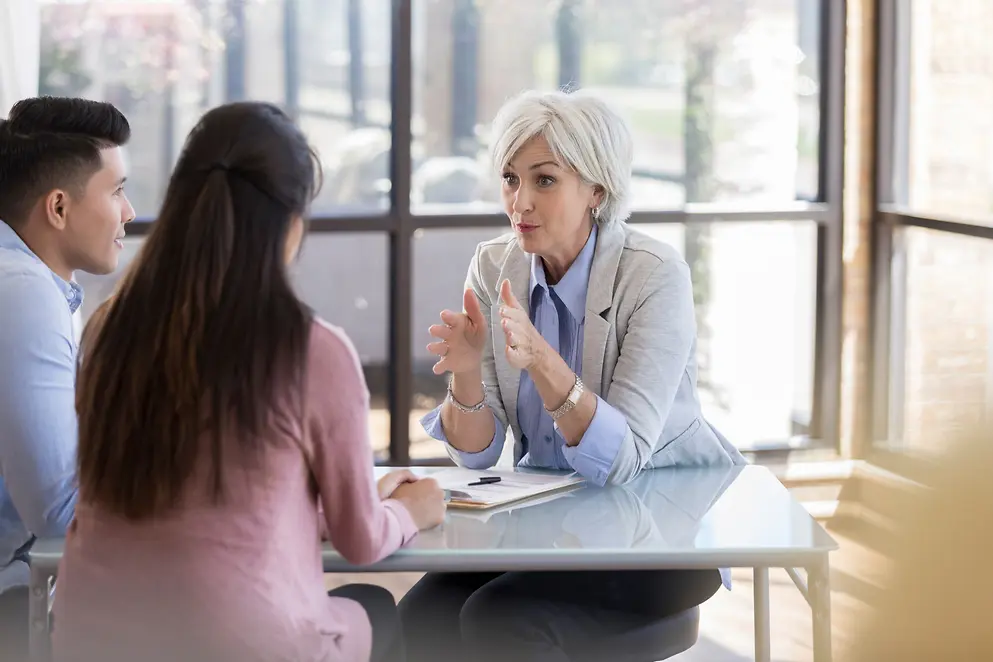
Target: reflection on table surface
[742,509]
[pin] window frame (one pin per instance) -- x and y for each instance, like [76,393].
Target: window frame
[401,223]
[882,444]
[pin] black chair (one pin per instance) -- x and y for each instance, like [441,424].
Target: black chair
[650,643]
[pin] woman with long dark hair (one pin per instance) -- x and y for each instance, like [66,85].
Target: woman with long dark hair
[219,422]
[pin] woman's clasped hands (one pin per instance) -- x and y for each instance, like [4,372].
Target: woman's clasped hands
[422,497]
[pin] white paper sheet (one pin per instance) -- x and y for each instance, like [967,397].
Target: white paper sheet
[513,486]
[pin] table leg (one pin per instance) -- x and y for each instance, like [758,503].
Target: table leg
[819,586]
[38,607]
[760,579]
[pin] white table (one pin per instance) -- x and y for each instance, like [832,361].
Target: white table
[667,518]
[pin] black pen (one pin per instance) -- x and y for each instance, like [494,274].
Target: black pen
[486,480]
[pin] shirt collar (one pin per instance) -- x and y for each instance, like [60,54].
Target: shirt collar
[10,240]
[572,288]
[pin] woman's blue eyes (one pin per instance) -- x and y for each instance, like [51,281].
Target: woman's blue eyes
[542,180]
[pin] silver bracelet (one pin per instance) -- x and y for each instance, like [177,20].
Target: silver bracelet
[461,407]
[570,402]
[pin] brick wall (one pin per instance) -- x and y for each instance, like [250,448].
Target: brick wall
[948,336]
[949,279]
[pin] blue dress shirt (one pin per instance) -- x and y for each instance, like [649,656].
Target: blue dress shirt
[38,427]
[558,312]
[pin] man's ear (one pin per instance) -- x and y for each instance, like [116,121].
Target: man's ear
[57,208]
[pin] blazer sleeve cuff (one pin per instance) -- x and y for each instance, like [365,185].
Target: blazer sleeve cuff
[595,453]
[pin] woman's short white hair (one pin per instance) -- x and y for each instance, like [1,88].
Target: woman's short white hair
[584,133]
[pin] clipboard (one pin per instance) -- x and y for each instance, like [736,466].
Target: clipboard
[514,486]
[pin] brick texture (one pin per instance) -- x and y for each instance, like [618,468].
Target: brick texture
[949,278]
[949,310]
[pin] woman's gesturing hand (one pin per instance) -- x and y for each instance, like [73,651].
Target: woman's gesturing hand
[525,346]
[461,338]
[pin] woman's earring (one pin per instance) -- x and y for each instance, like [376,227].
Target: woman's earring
[596,213]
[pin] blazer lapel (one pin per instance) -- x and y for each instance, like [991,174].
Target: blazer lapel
[594,347]
[599,297]
[517,270]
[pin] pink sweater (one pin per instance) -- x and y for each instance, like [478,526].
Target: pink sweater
[242,581]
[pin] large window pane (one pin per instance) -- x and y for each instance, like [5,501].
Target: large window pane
[943,338]
[755,293]
[722,95]
[949,169]
[325,279]
[165,63]
[441,260]
[755,288]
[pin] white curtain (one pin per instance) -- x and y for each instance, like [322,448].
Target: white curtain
[19,51]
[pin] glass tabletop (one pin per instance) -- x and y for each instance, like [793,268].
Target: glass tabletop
[685,517]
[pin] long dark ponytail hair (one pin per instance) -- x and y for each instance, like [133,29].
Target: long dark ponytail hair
[206,323]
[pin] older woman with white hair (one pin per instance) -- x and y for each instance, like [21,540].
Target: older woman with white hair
[578,335]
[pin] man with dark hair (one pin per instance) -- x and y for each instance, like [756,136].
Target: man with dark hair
[63,208]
